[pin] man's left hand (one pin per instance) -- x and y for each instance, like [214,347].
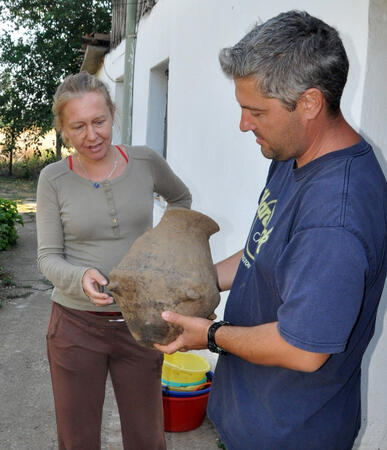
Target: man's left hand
[194,336]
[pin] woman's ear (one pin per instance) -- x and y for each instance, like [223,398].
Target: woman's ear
[65,139]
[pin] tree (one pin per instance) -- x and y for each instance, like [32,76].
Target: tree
[34,64]
[10,113]
[15,118]
[16,112]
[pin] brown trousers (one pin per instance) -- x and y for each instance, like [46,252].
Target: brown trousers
[82,348]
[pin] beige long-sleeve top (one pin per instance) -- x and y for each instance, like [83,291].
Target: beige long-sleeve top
[81,227]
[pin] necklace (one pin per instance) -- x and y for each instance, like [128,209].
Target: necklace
[97,184]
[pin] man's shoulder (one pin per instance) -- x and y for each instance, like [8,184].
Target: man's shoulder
[338,173]
[349,192]
[350,175]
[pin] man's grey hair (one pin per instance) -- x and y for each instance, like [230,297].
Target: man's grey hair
[289,54]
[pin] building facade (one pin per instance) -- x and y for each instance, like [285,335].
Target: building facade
[185,108]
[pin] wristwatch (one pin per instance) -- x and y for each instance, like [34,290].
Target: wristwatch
[211,344]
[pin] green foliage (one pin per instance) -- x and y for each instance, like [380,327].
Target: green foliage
[9,217]
[14,118]
[220,444]
[6,281]
[32,66]
[29,168]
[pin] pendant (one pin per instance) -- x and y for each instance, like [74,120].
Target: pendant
[96,185]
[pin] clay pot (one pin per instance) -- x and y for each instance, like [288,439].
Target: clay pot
[170,268]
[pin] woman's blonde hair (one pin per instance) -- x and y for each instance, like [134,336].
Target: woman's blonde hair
[76,86]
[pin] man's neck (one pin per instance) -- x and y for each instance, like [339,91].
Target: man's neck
[328,136]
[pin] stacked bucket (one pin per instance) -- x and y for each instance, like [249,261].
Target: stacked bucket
[186,384]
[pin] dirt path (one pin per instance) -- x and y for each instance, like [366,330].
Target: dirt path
[26,409]
[27,418]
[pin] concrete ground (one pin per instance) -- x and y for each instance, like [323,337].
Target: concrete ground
[27,418]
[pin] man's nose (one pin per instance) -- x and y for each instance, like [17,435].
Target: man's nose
[246,124]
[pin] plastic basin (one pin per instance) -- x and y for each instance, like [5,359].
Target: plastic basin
[184,413]
[184,369]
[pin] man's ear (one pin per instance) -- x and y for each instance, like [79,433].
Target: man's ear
[311,103]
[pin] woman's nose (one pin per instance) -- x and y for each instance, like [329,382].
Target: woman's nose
[90,133]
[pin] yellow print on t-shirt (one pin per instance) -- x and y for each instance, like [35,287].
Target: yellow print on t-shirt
[264,215]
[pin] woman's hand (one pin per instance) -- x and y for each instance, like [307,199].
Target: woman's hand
[91,282]
[194,336]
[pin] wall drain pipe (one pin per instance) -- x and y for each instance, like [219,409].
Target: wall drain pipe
[130,46]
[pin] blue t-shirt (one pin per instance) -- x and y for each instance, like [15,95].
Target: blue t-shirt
[315,262]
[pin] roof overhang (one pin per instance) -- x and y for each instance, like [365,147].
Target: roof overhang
[93,59]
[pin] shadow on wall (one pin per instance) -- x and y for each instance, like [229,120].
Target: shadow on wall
[373,129]
[374,110]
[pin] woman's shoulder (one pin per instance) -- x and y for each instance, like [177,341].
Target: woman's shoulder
[140,152]
[56,169]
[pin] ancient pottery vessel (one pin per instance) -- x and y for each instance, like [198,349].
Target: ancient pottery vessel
[170,268]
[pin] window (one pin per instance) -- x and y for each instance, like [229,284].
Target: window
[157,125]
[118,97]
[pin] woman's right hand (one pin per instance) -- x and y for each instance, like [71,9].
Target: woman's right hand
[91,282]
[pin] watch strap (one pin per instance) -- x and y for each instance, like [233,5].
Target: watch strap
[211,344]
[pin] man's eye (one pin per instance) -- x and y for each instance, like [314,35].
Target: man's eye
[99,123]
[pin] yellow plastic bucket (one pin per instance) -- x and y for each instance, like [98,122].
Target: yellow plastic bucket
[184,369]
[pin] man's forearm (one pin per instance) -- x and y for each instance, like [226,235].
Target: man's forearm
[264,345]
[261,344]
[227,270]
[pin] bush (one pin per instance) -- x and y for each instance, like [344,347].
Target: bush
[9,217]
[28,168]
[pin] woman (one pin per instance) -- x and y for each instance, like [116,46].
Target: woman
[90,208]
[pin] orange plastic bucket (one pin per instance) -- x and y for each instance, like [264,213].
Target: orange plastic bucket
[184,413]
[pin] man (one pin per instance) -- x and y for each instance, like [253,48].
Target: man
[306,287]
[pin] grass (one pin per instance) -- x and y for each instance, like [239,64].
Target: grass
[22,191]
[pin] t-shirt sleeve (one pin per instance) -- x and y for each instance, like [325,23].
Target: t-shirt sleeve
[320,279]
[51,259]
[168,184]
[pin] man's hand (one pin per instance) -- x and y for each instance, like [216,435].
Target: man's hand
[194,336]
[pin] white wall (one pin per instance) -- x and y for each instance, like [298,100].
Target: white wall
[373,434]
[223,167]
[112,73]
